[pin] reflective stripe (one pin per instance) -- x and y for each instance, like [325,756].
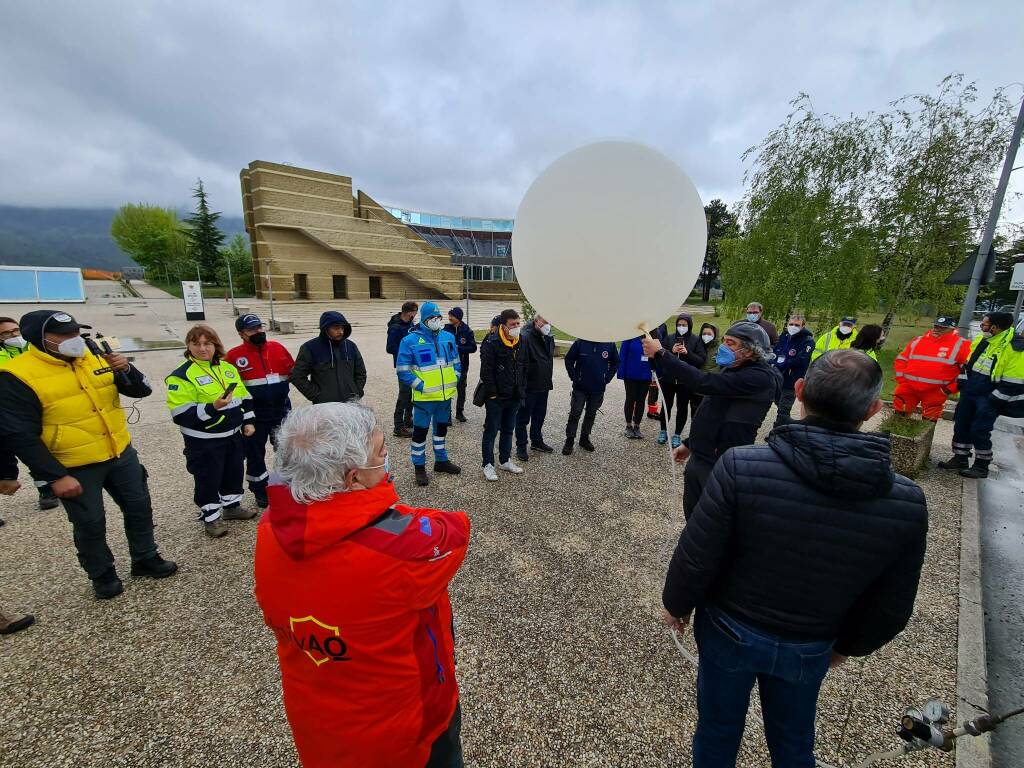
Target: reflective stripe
[207,435]
[929,359]
[1007,398]
[434,389]
[184,407]
[248,415]
[923,380]
[983,455]
[201,413]
[252,479]
[1010,380]
[231,498]
[255,382]
[403,367]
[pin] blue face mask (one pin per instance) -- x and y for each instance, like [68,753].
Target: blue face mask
[725,356]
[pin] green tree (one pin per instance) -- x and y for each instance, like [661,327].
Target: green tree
[936,187]
[721,224]
[152,236]
[240,257]
[205,239]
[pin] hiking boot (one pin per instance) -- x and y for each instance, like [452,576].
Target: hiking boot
[402,432]
[959,461]
[585,443]
[490,474]
[107,585]
[978,471]
[10,626]
[662,437]
[238,513]
[542,447]
[522,455]
[421,476]
[460,416]
[447,468]
[510,466]
[154,567]
[47,499]
[261,499]
[215,528]
[567,448]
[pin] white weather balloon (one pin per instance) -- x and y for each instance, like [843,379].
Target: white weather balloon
[609,236]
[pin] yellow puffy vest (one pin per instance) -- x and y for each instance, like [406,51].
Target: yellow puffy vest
[82,418]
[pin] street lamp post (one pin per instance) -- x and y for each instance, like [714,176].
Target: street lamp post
[231,285]
[270,288]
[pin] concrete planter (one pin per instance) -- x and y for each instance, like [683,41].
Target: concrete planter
[910,454]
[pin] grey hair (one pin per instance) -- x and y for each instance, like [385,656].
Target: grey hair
[757,304]
[758,354]
[319,445]
[841,385]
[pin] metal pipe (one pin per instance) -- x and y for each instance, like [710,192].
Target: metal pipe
[231,284]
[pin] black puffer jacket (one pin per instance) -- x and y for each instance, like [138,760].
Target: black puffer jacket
[503,369]
[540,359]
[810,537]
[735,403]
[696,353]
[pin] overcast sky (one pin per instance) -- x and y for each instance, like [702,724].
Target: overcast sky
[451,107]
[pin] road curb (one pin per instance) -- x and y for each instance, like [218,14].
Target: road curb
[971,668]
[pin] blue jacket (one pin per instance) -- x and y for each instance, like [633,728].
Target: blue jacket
[440,348]
[631,366]
[397,329]
[793,355]
[591,364]
[464,340]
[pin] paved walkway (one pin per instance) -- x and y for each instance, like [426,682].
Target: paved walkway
[1001,501]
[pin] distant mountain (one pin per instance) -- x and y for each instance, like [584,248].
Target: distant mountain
[71,237]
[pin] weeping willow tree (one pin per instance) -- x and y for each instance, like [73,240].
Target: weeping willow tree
[845,214]
[807,243]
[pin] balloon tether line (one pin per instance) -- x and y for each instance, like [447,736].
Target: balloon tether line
[664,411]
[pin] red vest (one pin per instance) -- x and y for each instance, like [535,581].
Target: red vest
[355,589]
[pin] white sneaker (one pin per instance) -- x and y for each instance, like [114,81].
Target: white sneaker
[490,474]
[508,466]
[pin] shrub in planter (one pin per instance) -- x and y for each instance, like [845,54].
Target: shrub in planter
[911,441]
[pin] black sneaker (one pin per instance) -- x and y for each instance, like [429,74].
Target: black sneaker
[586,445]
[107,585]
[567,448]
[447,468]
[47,499]
[261,500]
[522,455]
[957,462]
[460,416]
[421,476]
[542,447]
[402,432]
[977,472]
[23,622]
[154,567]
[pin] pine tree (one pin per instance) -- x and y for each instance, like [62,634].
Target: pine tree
[205,239]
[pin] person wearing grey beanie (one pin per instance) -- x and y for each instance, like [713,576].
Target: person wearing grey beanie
[735,400]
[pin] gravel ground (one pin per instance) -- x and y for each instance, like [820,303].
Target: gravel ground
[561,657]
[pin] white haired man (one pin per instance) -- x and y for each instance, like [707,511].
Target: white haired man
[368,670]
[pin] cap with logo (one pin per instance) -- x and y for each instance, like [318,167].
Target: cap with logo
[36,324]
[248,322]
[848,320]
[945,321]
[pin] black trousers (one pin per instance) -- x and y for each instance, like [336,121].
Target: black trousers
[678,397]
[403,406]
[255,447]
[124,478]
[581,402]
[217,465]
[695,477]
[636,397]
[785,408]
[446,751]
[531,414]
[460,389]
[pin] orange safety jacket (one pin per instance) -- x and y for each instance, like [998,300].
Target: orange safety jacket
[931,360]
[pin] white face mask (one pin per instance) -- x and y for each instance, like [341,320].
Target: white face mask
[984,335]
[17,342]
[682,329]
[74,347]
[435,323]
[546,329]
[513,333]
[708,338]
[793,329]
[753,316]
[846,330]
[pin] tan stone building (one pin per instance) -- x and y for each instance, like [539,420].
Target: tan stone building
[315,239]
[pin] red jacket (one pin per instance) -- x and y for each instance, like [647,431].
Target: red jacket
[356,590]
[931,360]
[264,369]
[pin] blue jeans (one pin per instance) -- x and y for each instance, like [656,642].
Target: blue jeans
[501,415]
[732,657]
[533,415]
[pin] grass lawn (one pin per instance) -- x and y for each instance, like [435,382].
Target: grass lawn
[209,291]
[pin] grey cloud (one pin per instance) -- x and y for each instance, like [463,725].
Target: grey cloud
[446,106]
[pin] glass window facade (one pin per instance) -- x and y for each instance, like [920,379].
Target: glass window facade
[451,222]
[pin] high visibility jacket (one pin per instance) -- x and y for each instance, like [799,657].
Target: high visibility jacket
[931,360]
[192,389]
[830,341]
[429,363]
[355,588]
[9,353]
[82,418]
[1008,376]
[992,352]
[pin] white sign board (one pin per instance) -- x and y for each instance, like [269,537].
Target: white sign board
[192,293]
[1017,279]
